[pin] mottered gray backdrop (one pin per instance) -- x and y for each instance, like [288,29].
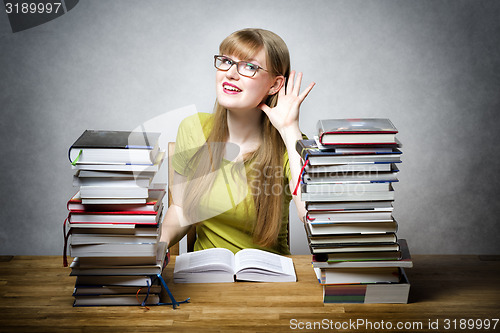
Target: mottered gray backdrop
[432,67]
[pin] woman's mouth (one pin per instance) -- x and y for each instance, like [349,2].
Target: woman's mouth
[230,88]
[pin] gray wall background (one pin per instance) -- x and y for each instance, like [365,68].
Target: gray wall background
[432,67]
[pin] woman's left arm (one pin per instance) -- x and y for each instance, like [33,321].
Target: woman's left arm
[285,118]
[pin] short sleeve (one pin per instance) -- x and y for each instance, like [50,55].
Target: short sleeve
[191,135]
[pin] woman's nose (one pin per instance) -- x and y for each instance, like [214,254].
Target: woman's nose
[232,72]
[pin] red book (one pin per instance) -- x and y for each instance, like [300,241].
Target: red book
[152,205]
[361,131]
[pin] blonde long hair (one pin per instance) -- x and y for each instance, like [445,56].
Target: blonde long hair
[244,44]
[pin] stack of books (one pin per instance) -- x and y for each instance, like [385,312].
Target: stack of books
[114,221]
[346,183]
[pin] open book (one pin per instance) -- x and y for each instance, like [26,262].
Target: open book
[221,265]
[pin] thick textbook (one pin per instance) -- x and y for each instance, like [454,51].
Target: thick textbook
[348,196]
[358,275]
[346,250]
[136,168]
[114,250]
[404,262]
[368,292]
[344,177]
[221,265]
[358,256]
[110,280]
[347,206]
[78,269]
[356,131]
[87,290]
[114,147]
[115,290]
[116,217]
[389,238]
[344,168]
[113,300]
[113,192]
[350,216]
[153,203]
[358,187]
[329,228]
[309,150]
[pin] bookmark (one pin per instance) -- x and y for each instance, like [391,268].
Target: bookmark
[300,175]
[77,158]
[65,246]
[174,303]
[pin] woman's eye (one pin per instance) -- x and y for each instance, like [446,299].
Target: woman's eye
[251,66]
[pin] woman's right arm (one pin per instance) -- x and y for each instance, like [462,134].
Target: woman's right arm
[174,225]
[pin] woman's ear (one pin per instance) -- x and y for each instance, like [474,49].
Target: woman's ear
[279,81]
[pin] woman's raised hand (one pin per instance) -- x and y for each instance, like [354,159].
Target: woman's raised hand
[285,115]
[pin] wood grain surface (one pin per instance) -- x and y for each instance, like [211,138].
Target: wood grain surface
[36,296]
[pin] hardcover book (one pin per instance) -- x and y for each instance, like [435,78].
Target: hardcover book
[356,131]
[119,147]
[368,292]
[328,228]
[152,204]
[309,150]
[404,261]
[358,275]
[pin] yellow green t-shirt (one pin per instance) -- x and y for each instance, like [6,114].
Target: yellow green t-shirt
[229,212]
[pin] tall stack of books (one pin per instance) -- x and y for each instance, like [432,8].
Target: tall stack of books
[114,221]
[346,183]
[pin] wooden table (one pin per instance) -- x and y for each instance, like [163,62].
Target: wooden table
[36,296]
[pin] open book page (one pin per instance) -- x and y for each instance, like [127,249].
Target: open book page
[257,265]
[216,259]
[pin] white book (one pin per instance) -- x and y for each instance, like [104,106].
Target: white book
[112,182]
[83,239]
[123,167]
[113,201]
[113,192]
[352,239]
[322,178]
[358,187]
[357,275]
[405,261]
[114,156]
[350,167]
[348,196]
[78,269]
[351,228]
[114,147]
[338,159]
[114,218]
[114,250]
[322,248]
[349,216]
[368,292]
[221,265]
[341,206]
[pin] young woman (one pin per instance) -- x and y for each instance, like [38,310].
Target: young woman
[239,198]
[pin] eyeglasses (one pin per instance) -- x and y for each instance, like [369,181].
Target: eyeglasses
[244,68]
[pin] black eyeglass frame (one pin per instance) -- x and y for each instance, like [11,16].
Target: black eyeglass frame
[237,63]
